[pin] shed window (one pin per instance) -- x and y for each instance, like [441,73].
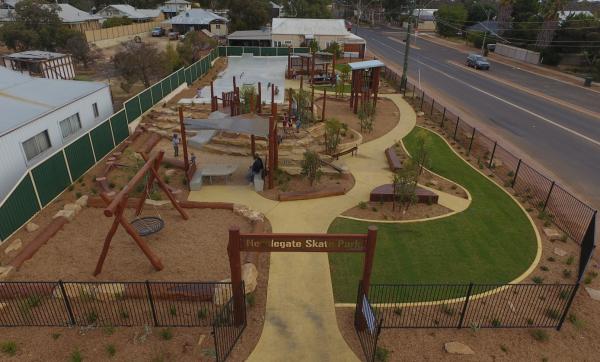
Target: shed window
[95,108]
[70,125]
[36,145]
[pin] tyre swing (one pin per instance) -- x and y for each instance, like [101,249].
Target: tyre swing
[140,226]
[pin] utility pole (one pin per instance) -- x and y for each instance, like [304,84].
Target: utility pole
[407,45]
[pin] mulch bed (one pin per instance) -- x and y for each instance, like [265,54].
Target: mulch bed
[384,211]
[285,183]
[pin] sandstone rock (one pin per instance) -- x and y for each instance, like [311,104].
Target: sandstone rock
[222,293]
[420,114]
[15,245]
[170,172]
[5,271]
[457,348]
[156,202]
[82,201]
[67,214]
[110,292]
[74,207]
[593,293]
[560,252]
[72,290]
[31,227]
[552,234]
[249,276]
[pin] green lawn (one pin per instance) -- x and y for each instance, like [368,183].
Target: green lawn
[331,88]
[490,242]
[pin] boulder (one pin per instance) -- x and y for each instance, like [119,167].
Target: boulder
[15,245]
[109,292]
[67,214]
[420,114]
[593,293]
[74,207]
[552,234]
[560,252]
[5,271]
[82,201]
[249,276]
[222,293]
[457,348]
[31,227]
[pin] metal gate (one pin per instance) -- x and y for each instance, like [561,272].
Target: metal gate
[366,325]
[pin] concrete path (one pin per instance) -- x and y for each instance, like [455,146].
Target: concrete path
[300,316]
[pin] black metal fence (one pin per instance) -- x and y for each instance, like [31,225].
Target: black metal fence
[226,332]
[472,305]
[366,325]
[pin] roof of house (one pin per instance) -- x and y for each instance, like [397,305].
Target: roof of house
[128,10]
[152,13]
[251,35]
[11,3]
[177,2]
[295,26]
[195,16]
[367,64]
[70,14]
[24,99]
[34,55]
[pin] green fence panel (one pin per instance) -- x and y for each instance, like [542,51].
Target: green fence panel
[235,51]
[222,51]
[19,207]
[301,50]
[195,71]
[166,87]
[174,81]
[102,140]
[51,177]
[281,51]
[80,156]
[188,75]
[268,52]
[156,93]
[181,76]
[118,122]
[254,50]
[146,100]
[132,107]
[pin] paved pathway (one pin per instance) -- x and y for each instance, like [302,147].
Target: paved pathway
[300,316]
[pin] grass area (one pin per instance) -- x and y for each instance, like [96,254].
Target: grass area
[490,242]
[331,88]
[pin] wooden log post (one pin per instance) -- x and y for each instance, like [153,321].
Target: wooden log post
[252,145]
[272,144]
[273,105]
[186,160]
[288,74]
[312,68]
[375,85]
[235,266]
[369,256]
[259,103]
[290,98]
[333,68]
[212,97]
[312,101]
[324,103]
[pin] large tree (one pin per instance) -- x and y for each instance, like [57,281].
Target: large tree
[248,14]
[580,34]
[550,10]
[307,8]
[450,19]
[140,62]
[505,10]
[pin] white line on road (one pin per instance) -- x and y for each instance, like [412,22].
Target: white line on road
[564,128]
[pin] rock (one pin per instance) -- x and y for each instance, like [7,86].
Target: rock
[82,201]
[552,234]
[593,293]
[72,290]
[560,252]
[222,293]
[110,291]
[457,348]
[249,276]
[31,227]
[67,214]
[170,172]
[156,202]
[4,271]
[201,339]
[420,114]
[74,207]
[15,245]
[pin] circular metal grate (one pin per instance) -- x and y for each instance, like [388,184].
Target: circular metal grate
[148,225]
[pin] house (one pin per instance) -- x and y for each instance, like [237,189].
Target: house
[426,19]
[198,19]
[70,15]
[154,14]
[276,10]
[124,11]
[250,38]
[40,116]
[296,32]
[173,7]
[43,64]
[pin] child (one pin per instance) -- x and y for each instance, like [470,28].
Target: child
[175,142]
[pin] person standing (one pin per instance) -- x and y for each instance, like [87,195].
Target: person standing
[175,142]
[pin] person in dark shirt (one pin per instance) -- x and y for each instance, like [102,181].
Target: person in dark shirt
[256,168]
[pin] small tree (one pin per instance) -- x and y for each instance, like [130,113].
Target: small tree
[311,166]
[189,49]
[247,94]
[81,51]
[405,186]
[302,101]
[421,157]
[172,58]
[345,72]
[333,131]
[335,49]
[339,88]
[366,116]
[140,62]
[314,46]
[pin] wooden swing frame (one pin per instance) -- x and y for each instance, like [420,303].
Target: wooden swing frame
[117,205]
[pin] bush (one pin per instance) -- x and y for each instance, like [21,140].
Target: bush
[76,356]
[538,280]
[9,348]
[311,166]
[476,38]
[362,205]
[550,56]
[112,22]
[540,335]
[111,350]
[166,334]
[381,354]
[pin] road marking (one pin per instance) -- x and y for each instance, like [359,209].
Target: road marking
[402,42]
[527,90]
[597,143]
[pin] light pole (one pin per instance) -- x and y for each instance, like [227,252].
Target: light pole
[411,9]
[488,13]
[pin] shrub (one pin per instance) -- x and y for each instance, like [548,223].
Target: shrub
[9,348]
[398,311]
[333,129]
[311,166]
[544,268]
[71,187]
[202,313]
[539,335]
[55,336]
[111,350]
[166,334]
[92,317]
[447,310]
[552,314]
[537,280]
[566,273]
[381,354]
[575,321]
[374,209]
[124,314]
[587,280]
[570,260]
[109,330]
[496,323]
[551,259]
[251,300]
[78,194]
[76,356]
[564,294]
[362,205]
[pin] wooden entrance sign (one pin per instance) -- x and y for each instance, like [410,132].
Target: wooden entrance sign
[321,243]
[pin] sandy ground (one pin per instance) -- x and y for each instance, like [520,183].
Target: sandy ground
[384,211]
[386,116]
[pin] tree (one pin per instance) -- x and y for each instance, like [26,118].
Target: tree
[189,49]
[335,49]
[340,87]
[421,156]
[81,51]
[248,14]
[405,186]
[301,100]
[450,19]
[505,10]
[247,95]
[580,34]
[172,58]
[314,9]
[366,116]
[550,10]
[333,135]
[345,72]
[311,166]
[314,46]
[478,12]
[140,62]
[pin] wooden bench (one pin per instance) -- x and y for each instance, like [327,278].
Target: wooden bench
[352,150]
[393,160]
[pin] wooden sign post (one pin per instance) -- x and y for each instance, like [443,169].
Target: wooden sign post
[320,243]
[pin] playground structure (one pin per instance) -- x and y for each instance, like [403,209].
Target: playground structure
[319,67]
[365,83]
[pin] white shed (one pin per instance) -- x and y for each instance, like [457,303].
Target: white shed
[40,116]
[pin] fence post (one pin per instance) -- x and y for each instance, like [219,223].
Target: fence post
[422,100]
[548,197]
[471,143]
[516,173]
[67,303]
[151,301]
[456,128]
[432,103]
[567,307]
[464,309]
[493,152]
[443,118]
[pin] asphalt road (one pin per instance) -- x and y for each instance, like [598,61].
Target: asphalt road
[553,125]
